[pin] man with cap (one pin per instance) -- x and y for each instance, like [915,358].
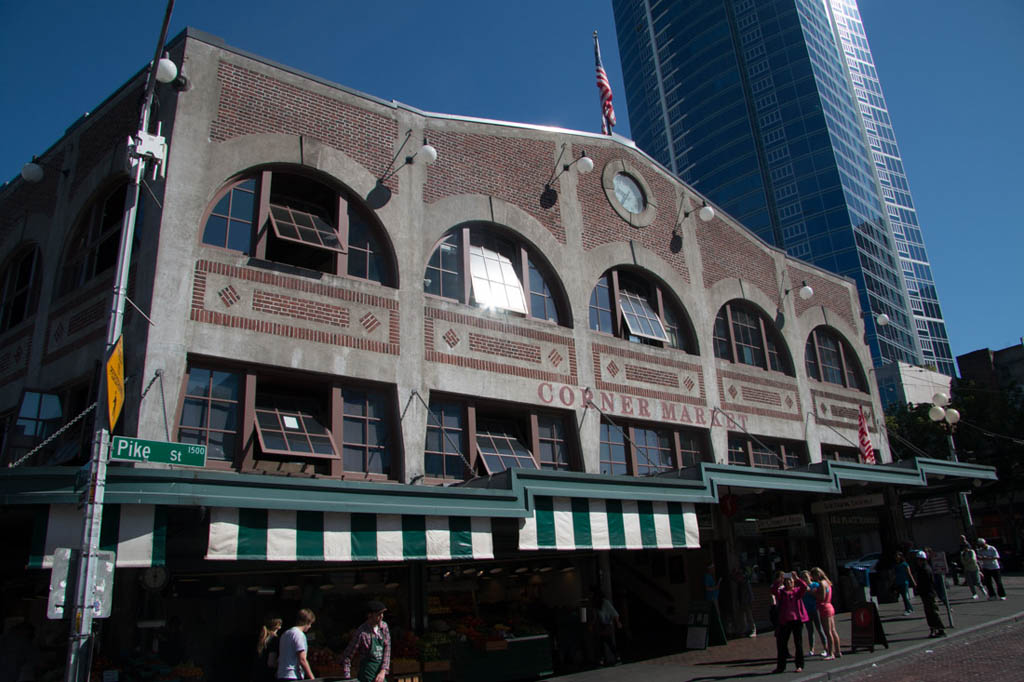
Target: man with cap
[991,569]
[372,644]
[925,578]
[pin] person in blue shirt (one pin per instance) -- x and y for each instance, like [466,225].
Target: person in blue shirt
[903,580]
[711,584]
[814,622]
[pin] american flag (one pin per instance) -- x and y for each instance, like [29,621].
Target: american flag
[867,452]
[607,110]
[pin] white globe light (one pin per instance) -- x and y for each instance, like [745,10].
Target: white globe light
[585,164]
[706,213]
[31,172]
[429,154]
[940,399]
[806,291]
[166,71]
[882,320]
[952,416]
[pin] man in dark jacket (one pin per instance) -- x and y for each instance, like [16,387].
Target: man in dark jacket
[925,578]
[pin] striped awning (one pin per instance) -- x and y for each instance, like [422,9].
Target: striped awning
[136,532]
[579,523]
[282,535]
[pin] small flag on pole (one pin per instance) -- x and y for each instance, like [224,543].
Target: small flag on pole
[607,110]
[867,452]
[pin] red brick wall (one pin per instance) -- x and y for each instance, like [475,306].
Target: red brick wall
[730,252]
[606,361]
[511,169]
[28,199]
[827,292]
[602,225]
[251,103]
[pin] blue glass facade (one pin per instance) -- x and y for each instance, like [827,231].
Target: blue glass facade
[751,103]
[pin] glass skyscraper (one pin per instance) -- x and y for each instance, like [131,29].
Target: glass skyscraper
[773,110]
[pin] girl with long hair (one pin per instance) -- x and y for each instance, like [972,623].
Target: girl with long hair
[265,667]
[827,612]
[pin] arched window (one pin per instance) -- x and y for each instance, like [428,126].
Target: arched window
[631,306]
[830,358]
[20,292]
[287,217]
[745,335]
[504,273]
[92,248]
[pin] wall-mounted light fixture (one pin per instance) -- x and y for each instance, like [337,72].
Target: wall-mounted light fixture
[584,165]
[426,152]
[705,213]
[34,170]
[167,73]
[881,319]
[805,291]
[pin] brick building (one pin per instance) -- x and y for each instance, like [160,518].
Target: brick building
[495,378]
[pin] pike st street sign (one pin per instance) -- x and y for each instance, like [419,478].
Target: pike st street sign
[136,450]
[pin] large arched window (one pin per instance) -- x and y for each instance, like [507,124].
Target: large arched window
[629,305]
[830,358]
[287,217]
[20,292]
[745,335]
[92,248]
[504,273]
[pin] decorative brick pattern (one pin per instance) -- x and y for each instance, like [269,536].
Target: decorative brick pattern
[648,375]
[753,393]
[757,395]
[87,316]
[513,169]
[251,103]
[842,411]
[689,383]
[631,356]
[555,358]
[612,368]
[369,322]
[16,350]
[80,318]
[505,330]
[602,225]
[299,308]
[729,251]
[310,308]
[489,345]
[451,338]
[229,295]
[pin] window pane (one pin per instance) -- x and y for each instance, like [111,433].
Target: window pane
[193,412]
[216,231]
[225,386]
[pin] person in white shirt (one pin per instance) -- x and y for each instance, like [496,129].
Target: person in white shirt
[990,568]
[292,663]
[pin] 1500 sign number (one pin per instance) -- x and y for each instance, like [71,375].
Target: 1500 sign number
[135,450]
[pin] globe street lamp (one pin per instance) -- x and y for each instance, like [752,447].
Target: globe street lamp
[947,417]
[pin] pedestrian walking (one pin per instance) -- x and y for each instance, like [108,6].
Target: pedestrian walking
[745,600]
[971,568]
[789,591]
[372,644]
[925,579]
[903,580]
[814,618]
[712,585]
[608,622]
[265,665]
[292,663]
[827,613]
[991,569]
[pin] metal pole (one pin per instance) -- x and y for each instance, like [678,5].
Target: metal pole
[967,519]
[81,639]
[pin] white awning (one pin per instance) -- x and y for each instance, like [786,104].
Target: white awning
[288,535]
[136,532]
[578,523]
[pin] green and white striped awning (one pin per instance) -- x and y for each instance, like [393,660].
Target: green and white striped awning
[578,523]
[284,535]
[136,532]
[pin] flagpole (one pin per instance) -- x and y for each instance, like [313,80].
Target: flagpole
[605,89]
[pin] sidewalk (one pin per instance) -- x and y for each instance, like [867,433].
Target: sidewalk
[755,657]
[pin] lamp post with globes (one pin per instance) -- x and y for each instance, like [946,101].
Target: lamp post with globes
[941,413]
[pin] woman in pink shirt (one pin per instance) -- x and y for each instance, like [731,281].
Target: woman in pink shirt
[788,590]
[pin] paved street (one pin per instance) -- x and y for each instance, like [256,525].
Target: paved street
[987,643]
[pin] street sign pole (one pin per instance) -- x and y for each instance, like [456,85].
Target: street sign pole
[80,642]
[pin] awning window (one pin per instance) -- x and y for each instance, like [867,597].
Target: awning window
[298,226]
[291,427]
[640,316]
[501,449]
[495,282]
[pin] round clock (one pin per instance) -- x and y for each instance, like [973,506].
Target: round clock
[155,578]
[629,194]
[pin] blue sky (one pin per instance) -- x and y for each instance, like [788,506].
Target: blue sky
[950,71]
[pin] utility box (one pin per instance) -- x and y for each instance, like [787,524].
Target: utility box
[64,576]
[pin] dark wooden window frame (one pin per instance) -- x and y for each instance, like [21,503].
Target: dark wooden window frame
[849,364]
[788,452]
[18,300]
[771,341]
[681,453]
[684,334]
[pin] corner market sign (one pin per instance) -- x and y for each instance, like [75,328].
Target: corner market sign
[135,450]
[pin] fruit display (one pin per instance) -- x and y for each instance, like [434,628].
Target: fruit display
[321,657]
[436,646]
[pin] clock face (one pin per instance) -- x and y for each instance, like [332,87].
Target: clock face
[629,194]
[154,577]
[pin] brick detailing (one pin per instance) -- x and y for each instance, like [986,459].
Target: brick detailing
[613,369]
[451,338]
[602,225]
[299,308]
[317,310]
[689,383]
[842,411]
[489,345]
[80,317]
[229,295]
[845,412]
[757,395]
[754,388]
[58,333]
[648,375]
[827,292]
[513,169]
[507,330]
[16,350]
[729,251]
[624,355]
[251,103]
[369,322]
[789,401]
[87,316]
[555,358]
[23,199]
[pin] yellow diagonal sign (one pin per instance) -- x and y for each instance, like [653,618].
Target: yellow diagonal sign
[115,382]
